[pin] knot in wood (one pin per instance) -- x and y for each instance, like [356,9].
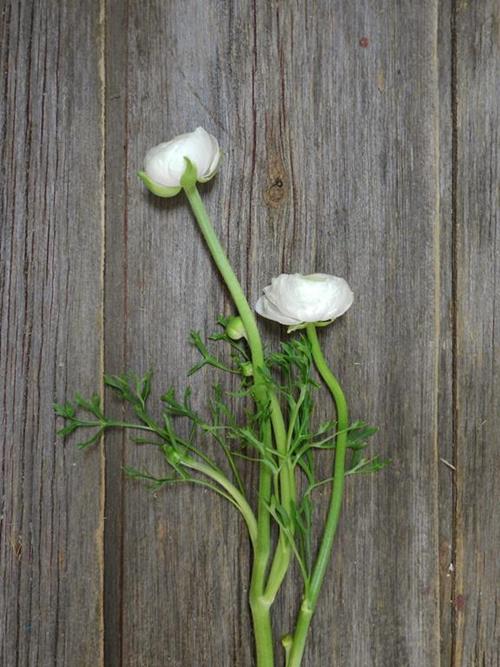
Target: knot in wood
[278,183]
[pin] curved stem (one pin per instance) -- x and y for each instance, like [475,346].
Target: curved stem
[283,552]
[239,499]
[260,610]
[242,305]
[226,270]
[310,599]
[279,568]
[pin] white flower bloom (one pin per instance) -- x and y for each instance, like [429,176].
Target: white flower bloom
[295,299]
[165,165]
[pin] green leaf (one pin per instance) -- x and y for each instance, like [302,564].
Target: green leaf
[67,430]
[326,426]
[207,357]
[117,382]
[174,408]
[91,441]
[95,403]
[146,441]
[283,521]
[92,405]
[367,466]
[154,483]
[358,433]
[64,410]
[143,386]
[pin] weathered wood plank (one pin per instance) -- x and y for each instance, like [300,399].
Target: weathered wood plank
[51,324]
[176,573]
[115,314]
[446,396]
[349,128]
[328,116]
[374,112]
[331,164]
[476,595]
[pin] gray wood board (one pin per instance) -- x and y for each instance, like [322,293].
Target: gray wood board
[477,460]
[446,388]
[51,322]
[359,139]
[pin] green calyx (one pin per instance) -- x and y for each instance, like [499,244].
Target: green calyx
[303,325]
[188,181]
[156,188]
[190,176]
[296,327]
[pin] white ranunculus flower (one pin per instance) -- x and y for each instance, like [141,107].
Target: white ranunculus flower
[164,165]
[296,300]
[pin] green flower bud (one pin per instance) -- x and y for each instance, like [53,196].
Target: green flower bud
[173,455]
[246,369]
[235,329]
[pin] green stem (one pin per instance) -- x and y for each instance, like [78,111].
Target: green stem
[226,270]
[260,610]
[279,568]
[283,552]
[311,598]
[118,424]
[239,499]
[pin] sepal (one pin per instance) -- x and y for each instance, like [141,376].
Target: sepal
[190,175]
[156,188]
[296,327]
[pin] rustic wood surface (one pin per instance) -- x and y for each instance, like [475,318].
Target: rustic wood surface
[360,138]
[477,355]
[51,296]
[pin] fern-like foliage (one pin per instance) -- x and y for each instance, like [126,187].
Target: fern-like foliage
[230,427]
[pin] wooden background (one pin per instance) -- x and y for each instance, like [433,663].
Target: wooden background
[360,138]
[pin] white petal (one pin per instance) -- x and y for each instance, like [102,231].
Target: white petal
[265,308]
[338,298]
[156,165]
[214,165]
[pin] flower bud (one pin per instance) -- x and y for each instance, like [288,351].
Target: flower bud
[173,456]
[296,300]
[166,164]
[235,329]
[246,369]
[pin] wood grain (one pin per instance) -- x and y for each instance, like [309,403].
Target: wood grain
[332,164]
[476,594]
[51,309]
[379,124]
[170,585]
[359,139]
[447,325]
[115,311]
